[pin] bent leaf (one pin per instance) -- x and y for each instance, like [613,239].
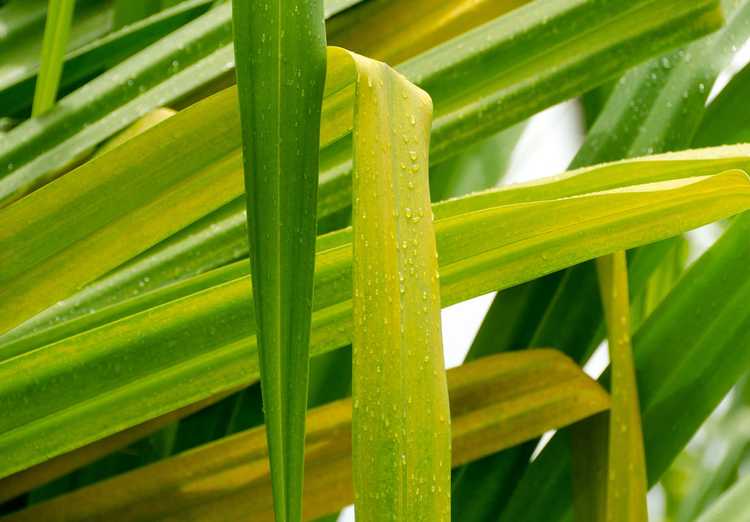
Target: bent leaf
[401,423]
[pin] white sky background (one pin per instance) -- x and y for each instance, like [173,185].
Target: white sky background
[546,147]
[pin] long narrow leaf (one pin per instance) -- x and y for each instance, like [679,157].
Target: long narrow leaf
[656,106]
[56,31]
[281,67]
[81,63]
[125,283]
[626,476]
[730,507]
[450,73]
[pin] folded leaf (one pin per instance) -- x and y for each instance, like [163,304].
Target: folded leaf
[401,423]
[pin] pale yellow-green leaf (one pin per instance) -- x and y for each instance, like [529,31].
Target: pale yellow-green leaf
[56,467]
[496,402]
[626,465]
[139,126]
[401,423]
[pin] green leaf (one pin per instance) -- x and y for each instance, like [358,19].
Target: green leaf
[281,68]
[56,32]
[657,104]
[732,506]
[685,353]
[22,40]
[720,122]
[127,12]
[730,429]
[334,193]
[495,402]
[85,61]
[94,205]
[401,439]
[469,105]
[590,449]
[383,37]
[479,167]
[626,475]
[659,168]
[106,105]
[516,319]
[54,468]
[208,336]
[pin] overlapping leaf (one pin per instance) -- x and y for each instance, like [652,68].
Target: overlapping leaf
[206,338]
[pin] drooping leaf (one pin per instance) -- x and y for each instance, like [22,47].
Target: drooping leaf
[401,438]
[280,52]
[495,402]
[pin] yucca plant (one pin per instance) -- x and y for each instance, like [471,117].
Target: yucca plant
[227,230]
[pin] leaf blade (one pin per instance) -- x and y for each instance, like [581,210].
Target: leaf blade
[401,422]
[281,67]
[56,31]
